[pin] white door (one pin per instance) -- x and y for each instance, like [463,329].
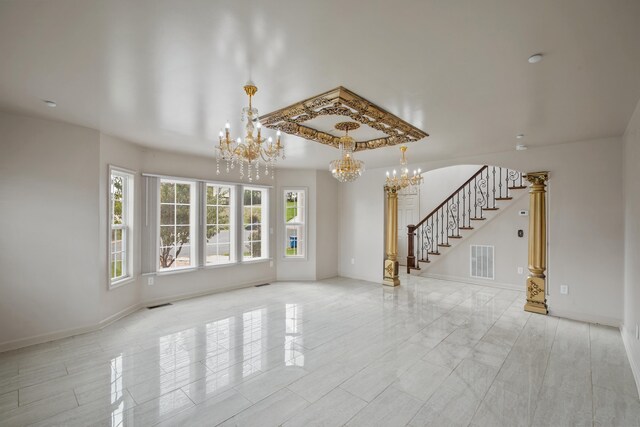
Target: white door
[408,213]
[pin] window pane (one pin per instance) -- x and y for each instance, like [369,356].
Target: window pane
[167,257]
[212,233]
[256,197]
[212,195]
[294,240]
[183,193]
[167,192]
[212,215]
[256,215]
[167,235]
[182,235]
[247,216]
[224,196]
[182,215]
[167,214]
[247,198]
[223,215]
[183,256]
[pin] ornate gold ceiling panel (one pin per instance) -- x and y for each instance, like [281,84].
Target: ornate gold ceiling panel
[297,119]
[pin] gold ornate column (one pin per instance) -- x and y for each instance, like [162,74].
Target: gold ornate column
[536,297]
[391,261]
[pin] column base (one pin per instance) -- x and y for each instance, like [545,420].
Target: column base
[391,273]
[536,308]
[536,298]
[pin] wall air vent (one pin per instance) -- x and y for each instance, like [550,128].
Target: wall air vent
[482,262]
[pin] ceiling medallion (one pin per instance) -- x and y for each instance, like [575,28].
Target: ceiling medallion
[251,151]
[347,168]
[404,184]
[300,120]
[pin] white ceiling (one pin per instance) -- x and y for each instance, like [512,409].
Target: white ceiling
[168,74]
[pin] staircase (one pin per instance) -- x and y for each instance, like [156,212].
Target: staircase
[459,212]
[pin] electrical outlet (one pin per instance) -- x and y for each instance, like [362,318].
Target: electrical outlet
[520,270]
[564,289]
[150,281]
[353,260]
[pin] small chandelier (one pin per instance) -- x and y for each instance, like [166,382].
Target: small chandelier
[404,184]
[252,149]
[347,168]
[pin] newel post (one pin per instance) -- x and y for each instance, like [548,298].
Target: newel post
[536,282]
[411,252]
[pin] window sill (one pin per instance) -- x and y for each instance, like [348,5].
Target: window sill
[294,258]
[221,265]
[176,271]
[121,282]
[256,261]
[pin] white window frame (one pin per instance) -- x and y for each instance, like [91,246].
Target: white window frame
[305,208]
[193,226]
[128,201]
[264,225]
[232,224]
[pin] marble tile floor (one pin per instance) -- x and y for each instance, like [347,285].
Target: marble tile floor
[334,352]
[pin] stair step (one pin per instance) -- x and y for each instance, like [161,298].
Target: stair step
[519,187]
[444,245]
[434,253]
[455,237]
[504,198]
[465,228]
[422,260]
[477,219]
[490,209]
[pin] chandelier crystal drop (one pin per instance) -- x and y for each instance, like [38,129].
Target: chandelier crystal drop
[404,184]
[253,153]
[347,168]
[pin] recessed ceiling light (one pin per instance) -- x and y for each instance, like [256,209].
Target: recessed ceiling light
[521,147]
[520,135]
[49,103]
[535,58]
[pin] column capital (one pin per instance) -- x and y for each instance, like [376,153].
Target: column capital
[537,178]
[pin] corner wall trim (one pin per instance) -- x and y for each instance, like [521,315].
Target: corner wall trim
[627,346]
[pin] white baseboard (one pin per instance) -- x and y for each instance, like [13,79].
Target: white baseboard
[180,297]
[585,317]
[119,315]
[66,333]
[627,346]
[43,338]
[470,281]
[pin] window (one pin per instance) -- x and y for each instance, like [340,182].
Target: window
[120,225]
[218,228]
[254,219]
[177,213]
[294,224]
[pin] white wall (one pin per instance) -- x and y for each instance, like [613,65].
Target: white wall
[322,220]
[499,230]
[327,220]
[441,183]
[632,241]
[49,198]
[585,220]
[305,268]
[170,286]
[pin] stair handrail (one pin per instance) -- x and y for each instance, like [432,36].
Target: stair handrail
[482,169]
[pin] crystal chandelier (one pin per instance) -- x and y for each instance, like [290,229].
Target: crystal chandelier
[254,150]
[347,168]
[404,184]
